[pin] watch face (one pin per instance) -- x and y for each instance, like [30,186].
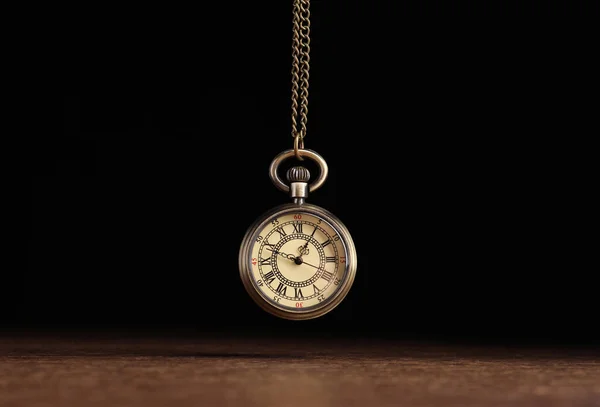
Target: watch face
[298,261]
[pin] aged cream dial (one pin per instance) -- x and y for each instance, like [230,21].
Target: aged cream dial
[298,261]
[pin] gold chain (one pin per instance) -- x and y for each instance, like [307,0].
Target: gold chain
[300,67]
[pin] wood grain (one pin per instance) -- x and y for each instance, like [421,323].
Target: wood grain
[91,371]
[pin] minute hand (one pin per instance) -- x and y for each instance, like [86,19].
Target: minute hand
[308,264]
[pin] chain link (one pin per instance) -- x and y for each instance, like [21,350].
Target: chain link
[300,71]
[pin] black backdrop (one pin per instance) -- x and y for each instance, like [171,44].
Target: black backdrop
[434,120]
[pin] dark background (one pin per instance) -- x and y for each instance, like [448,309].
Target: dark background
[439,124]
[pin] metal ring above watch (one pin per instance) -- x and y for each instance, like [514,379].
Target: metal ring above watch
[313,186]
[298,145]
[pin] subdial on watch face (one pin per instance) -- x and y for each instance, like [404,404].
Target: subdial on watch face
[298,261]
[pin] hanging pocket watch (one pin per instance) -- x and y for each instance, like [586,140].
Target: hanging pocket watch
[297,261]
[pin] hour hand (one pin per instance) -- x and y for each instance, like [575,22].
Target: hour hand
[303,249]
[287,256]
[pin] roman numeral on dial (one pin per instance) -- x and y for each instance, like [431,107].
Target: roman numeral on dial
[325,243]
[269,277]
[330,259]
[281,289]
[281,231]
[297,227]
[298,293]
[327,275]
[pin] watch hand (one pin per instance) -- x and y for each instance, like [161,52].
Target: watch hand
[287,256]
[303,250]
[308,264]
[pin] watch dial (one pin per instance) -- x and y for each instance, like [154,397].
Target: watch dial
[298,261]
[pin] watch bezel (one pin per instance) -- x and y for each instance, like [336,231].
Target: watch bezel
[245,265]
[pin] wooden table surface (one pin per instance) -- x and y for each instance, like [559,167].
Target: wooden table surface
[42,371]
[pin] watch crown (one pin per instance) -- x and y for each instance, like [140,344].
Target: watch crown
[298,178]
[298,174]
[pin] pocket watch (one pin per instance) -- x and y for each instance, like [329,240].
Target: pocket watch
[298,260]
